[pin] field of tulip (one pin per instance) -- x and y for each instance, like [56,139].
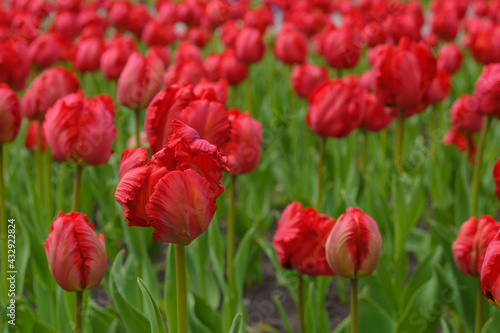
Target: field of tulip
[212,166]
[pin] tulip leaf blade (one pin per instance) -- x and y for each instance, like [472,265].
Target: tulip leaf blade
[236,323]
[155,318]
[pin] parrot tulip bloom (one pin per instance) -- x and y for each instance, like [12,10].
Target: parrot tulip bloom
[76,255]
[175,191]
[353,247]
[243,148]
[472,240]
[291,45]
[305,78]
[300,240]
[46,89]
[490,272]
[487,90]
[249,46]
[334,109]
[496,177]
[140,80]
[10,114]
[81,130]
[403,74]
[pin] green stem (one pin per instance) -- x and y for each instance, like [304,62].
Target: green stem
[39,167]
[248,95]
[399,143]
[180,262]
[76,188]
[319,197]
[230,243]
[478,165]
[48,184]
[354,305]
[433,134]
[78,311]
[339,73]
[3,228]
[363,156]
[137,128]
[300,303]
[479,311]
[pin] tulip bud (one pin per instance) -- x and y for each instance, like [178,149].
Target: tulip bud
[305,78]
[114,59]
[10,114]
[221,89]
[472,240]
[76,255]
[490,272]
[353,247]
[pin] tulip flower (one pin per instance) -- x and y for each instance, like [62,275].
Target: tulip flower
[32,136]
[10,114]
[464,115]
[64,24]
[340,50]
[220,87]
[376,117]
[439,88]
[187,51]
[44,50]
[138,17]
[496,177]
[198,36]
[118,14]
[305,78]
[14,63]
[86,54]
[231,69]
[490,272]
[291,45]
[162,52]
[259,18]
[154,33]
[114,59]
[249,46]
[184,72]
[483,40]
[76,256]
[449,58]
[229,32]
[445,23]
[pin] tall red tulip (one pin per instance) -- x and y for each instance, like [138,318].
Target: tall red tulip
[76,255]
[114,59]
[10,114]
[175,191]
[376,117]
[80,129]
[487,89]
[472,240]
[249,45]
[341,48]
[439,88]
[449,58]
[490,272]
[243,148]
[140,80]
[154,33]
[300,240]
[354,244]
[14,63]
[231,69]
[305,78]
[86,54]
[291,45]
[464,115]
[46,89]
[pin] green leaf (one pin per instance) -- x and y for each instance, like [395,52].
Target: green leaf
[283,315]
[170,297]
[235,327]
[152,308]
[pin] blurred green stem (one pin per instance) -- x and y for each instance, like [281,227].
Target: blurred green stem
[321,160]
[180,262]
[137,113]
[78,311]
[354,305]
[48,184]
[478,165]
[230,243]
[300,303]
[339,73]
[363,155]
[248,94]
[398,144]
[3,226]
[433,134]
[76,188]
[39,167]
[479,311]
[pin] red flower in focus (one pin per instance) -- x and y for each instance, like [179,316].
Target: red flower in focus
[86,54]
[76,255]
[403,74]
[472,240]
[10,114]
[249,45]
[449,58]
[46,89]
[300,240]
[305,78]
[353,246]
[175,191]
[334,109]
[81,130]
[291,45]
[243,148]
[487,90]
[490,272]
[32,136]
[140,80]
[496,177]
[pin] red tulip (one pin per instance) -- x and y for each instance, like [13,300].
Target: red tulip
[403,74]
[198,36]
[114,59]
[10,114]
[483,41]
[341,48]
[229,32]
[86,54]
[44,50]
[376,117]
[76,255]
[140,80]
[439,88]
[119,14]
[175,191]
[449,58]
[353,247]
[14,63]
[186,51]
[217,12]
[472,240]
[464,116]
[154,33]
[461,141]
[259,18]
[249,46]
[487,89]
[165,107]
[211,66]
[184,72]
[221,89]
[81,130]
[305,78]
[64,24]
[445,23]
[243,148]
[490,272]
[46,89]
[162,52]
[334,109]
[291,45]
[231,69]
[138,17]
[300,240]
[496,177]
[32,136]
